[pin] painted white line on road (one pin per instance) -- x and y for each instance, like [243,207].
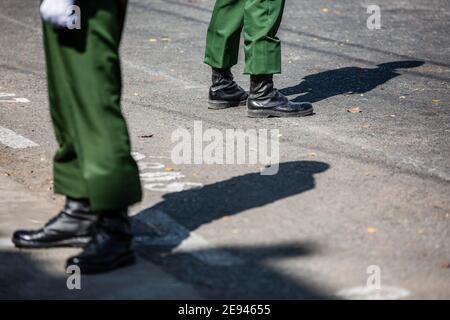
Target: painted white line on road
[137,156]
[173,187]
[16,100]
[161,181]
[167,232]
[22,100]
[14,140]
[367,293]
[12,98]
[161,176]
[6,243]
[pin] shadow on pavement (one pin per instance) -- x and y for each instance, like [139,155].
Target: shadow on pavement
[254,278]
[254,274]
[23,277]
[327,84]
[39,274]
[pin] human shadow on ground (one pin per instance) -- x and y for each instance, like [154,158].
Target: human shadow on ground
[323,85]
[250,273]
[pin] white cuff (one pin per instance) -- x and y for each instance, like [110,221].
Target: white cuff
[57,12]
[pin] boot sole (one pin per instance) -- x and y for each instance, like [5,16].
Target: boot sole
[278,114]
[123,261]
[219,104]
[70,243]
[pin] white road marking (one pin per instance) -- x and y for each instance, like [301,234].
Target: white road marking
[14,140]
[159,181]
[170,233]
[161,176]
[138,156]
[16,100]
[6,243]
[158,157]
[150,165]
[367,293]
[173,187]
[13,99]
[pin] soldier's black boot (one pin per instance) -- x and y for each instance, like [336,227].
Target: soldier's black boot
[266,101]
[225,92]
[72,227]
[110,247]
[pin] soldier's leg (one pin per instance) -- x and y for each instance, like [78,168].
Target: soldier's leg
[86,74]
[91,67]
[93,163]
[222,51]
[102,143]
[74,224]
[262,19]
[224,32]
[67,174]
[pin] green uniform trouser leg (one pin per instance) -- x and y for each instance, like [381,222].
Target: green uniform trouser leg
[260,20]
[84,83]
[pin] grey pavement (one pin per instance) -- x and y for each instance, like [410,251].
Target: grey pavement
[354,189]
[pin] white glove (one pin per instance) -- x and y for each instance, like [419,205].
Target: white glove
[57,12]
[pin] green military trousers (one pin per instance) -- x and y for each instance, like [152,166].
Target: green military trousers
[260,20]
[84,82]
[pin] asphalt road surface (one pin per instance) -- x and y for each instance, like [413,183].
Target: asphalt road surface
[358,194]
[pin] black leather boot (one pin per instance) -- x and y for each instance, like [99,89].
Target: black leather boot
[72,227]
[224,92]
[110,247]
[266,101]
